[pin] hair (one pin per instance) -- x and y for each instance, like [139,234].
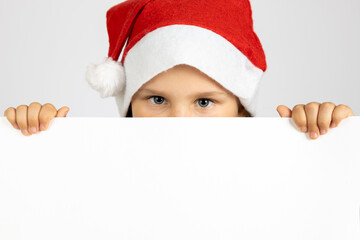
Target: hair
[129,113]
[241,108]
[245,113]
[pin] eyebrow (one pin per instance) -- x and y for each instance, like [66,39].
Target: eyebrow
[195,94]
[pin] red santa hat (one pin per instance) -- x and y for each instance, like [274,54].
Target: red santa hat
[214,36]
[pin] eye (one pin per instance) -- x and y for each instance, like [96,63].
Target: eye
[204,102]
[157,100]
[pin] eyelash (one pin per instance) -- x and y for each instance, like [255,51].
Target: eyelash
[211,100]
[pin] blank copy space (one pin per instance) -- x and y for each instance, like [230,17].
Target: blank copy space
[179,178]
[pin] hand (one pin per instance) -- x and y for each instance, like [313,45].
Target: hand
[315,117]
[30,119]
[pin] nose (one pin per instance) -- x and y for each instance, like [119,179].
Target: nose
[180,111]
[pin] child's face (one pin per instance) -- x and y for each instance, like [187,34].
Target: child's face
[182,92]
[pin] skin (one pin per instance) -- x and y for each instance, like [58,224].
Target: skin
[35,117]
[179,92]
[182,95]
[316,118]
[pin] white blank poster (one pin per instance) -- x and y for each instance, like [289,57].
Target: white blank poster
[179,178]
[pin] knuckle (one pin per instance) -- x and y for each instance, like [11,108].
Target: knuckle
[328,104]
[33,114]
[21,107]
[35,104]
[311,106]
[342,107]
[298,106]
[49,105]
[8,110]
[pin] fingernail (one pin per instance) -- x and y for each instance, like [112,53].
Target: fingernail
[42,127]
[33,130]
[304,129]
[323,131]
[313,134]
[333,125]
[25,132]
[16,126]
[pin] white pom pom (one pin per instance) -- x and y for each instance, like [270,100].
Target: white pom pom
[108,78]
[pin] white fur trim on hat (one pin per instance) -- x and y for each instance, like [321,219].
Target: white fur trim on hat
[108,78]
[168,46]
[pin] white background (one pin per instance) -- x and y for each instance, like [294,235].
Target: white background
[144,179]
[312,49]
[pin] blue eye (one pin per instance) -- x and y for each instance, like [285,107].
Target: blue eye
[204,102]
[157,100]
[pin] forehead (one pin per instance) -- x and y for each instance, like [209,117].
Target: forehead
[183,78]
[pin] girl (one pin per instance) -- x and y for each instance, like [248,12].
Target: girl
[183,58]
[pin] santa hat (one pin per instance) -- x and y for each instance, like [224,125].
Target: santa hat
[214,36]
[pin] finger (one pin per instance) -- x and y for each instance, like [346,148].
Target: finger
[21,119]
[10,114]
[284,111]
[325,116]
[299,117]
[47,112]
[33,117]
[340,112]
[312,110]
[62,112]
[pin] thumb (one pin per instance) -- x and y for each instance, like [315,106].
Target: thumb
[284,111]
[62,112]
